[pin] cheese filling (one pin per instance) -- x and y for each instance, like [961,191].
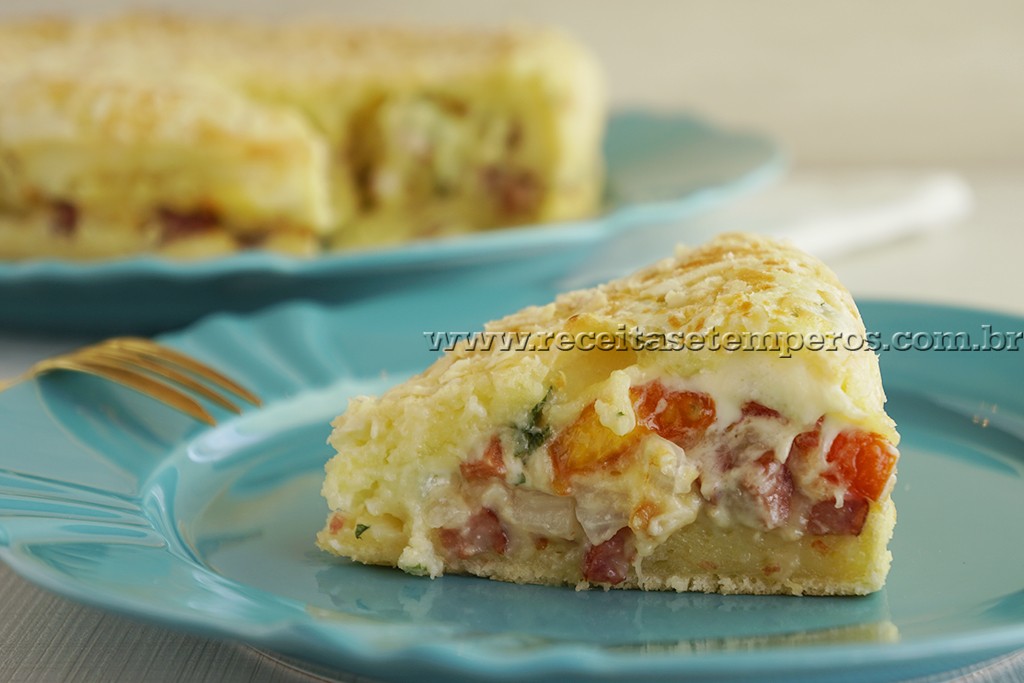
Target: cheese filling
[618,480]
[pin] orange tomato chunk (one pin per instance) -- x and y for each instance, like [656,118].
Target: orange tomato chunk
[490,465]
[682,417]
[587,445]
[863,460]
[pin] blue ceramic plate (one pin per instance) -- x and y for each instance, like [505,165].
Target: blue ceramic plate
[661,168]
[111,499]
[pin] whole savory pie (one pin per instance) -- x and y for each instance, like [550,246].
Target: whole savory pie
[189,137]
[713,422]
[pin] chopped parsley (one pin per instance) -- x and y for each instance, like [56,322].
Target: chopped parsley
[361,529]
[533,433]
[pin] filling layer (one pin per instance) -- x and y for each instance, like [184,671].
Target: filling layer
[611,487]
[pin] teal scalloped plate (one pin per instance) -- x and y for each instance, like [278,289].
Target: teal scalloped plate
[662,168]
[109,498]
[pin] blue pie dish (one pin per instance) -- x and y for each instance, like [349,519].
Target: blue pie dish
[114,500]
[662,168]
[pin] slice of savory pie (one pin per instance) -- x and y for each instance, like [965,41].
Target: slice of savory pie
[190,137]
[713,422]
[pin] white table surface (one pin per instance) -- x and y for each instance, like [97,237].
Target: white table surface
[45,638]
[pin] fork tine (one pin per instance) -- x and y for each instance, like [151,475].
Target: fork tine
[151,369]
[141,383]
[168,356]
[129,360]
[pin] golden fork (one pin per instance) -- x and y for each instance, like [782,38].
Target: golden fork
[155,370]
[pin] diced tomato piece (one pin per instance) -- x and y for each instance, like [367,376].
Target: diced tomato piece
[337,523]
[587,445]
[490,465]
[609,562]
[848,520]
[482,533]
[863,460]
[682,417]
